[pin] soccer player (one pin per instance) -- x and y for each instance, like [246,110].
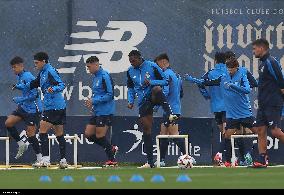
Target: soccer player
[173,92]
[244,144]
[215,94]
[270,98]
[29,110]
[235,87]
[54,113]
[103,106]
[144,80]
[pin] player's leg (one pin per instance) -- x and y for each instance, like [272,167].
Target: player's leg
[163,144]
[220,118]
[59,132]
[145,123]
[231,127]
[102,125]
[247,124]
[158,97]
[240,143]
[31,133]
[10,123]
[274,119]
[32,121]
[43,136]
[261,129]
[173,130]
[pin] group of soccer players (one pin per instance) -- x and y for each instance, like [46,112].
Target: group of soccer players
[154,85]
[231,105]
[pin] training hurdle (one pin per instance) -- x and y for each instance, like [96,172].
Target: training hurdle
[6,139]
[158,137]
[233,137]
[75,138]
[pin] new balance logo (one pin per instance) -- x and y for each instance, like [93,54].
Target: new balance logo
[105,46]
[270,123]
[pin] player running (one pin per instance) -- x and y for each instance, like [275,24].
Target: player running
[173,92]
[270,99]
[29,110]
[102,105]
[144,80]
[54,113]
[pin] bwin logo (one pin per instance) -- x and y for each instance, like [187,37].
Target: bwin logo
[138,135]
[105,46]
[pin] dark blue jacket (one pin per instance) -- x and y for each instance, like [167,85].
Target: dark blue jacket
[270,82]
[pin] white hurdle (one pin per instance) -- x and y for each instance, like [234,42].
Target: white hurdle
[158,137]
[6,139]
[233,137]
[75,138]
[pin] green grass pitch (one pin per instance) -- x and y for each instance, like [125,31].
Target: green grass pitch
[272,177]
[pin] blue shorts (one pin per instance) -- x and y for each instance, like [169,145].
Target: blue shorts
[101,121]
[55,117]
[30,119]
[269,116]
[147,107]
[237,123]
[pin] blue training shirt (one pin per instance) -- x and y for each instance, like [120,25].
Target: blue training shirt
[30,100]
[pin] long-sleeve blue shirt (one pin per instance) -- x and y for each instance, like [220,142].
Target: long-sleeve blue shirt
[215,92]
[103,94]
[235,89]
[136,77]
[173,90]
[49,77]
[30,99]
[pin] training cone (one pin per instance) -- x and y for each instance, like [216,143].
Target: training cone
[136,178]
[114,178]
[45,178]
[183,178]
[90,179]
[67,179]
[158,179]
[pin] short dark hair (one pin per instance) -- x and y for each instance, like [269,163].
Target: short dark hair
[261,42]
[220,57]
[41,56]
[162,57]
[232,62]
[16,60]
[92,59]
[134,53]
[229,54]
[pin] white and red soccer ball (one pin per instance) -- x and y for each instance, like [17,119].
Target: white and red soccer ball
[185,162]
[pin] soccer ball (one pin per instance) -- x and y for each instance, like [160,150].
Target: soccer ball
[185,162]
